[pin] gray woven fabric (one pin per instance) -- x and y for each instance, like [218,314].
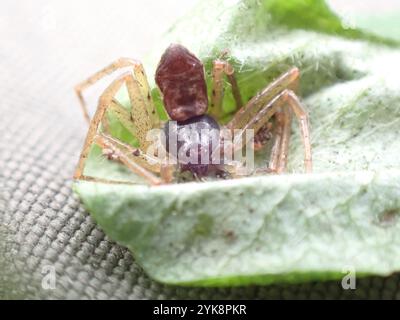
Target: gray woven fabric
[45,49]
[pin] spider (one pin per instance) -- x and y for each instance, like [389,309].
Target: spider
[180,77]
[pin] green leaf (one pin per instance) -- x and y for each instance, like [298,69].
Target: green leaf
[293,227]
[256,230]
[373,17]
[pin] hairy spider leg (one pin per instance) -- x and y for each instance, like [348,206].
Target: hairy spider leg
[288,100]
[255,104]
[286,133]
[277,146]
[284,125]
[220,68]
[138,73]
[288,80]
[134,159]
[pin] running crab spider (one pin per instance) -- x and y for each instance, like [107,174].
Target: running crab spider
[181,79]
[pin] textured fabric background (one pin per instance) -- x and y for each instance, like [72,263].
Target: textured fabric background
[46,47]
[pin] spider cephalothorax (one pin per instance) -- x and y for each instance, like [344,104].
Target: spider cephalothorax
[180,77]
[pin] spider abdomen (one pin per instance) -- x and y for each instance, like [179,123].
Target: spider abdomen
[180,77]
[194,144]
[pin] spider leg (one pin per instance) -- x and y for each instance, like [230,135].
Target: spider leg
[302,116]
[285,99]
[125,118]
[167,172]
[140,77]
[135,161]
[138,121]
[149,162]
[125,156]
[220,68]
[278,156]
[284,147]
[143,114]
[276,148]
[287,80]
[122,115]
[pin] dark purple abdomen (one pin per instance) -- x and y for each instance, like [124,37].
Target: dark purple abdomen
[194,143]
[180,77]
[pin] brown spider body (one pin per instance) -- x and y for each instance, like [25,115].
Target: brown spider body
[180,77]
